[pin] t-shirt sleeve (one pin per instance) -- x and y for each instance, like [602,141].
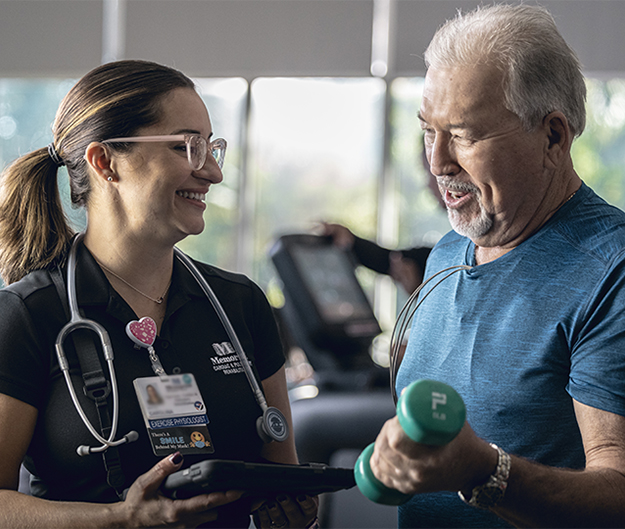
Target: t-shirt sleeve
[597,376]
[23,370]
[268,345]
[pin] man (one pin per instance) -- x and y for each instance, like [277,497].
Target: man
[533,336]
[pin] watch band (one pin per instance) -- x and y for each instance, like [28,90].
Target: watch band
[492,492]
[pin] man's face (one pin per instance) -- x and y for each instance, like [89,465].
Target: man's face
[489,170]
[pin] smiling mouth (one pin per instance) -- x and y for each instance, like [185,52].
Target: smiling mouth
[457,195]
[193,196]
[457,198]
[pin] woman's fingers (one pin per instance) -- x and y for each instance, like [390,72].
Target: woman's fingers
[146,505]
[286,511]
[148,484]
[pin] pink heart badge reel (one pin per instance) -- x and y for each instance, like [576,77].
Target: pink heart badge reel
[143,334]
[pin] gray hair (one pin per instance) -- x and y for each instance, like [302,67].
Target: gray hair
[541,72]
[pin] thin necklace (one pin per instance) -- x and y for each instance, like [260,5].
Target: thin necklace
[571,196]
[159,300]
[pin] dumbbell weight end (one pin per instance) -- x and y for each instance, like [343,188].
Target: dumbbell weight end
[429,412]
[372,487]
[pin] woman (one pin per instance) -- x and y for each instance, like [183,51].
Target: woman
[142,196]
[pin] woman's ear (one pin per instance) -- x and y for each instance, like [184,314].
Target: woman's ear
[558,134]
[99,160]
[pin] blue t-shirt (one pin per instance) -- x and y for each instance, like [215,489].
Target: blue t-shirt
[521,336]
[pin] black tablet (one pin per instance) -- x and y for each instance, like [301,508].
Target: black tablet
[258,479]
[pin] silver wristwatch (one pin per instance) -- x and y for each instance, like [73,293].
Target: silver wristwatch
[492,492]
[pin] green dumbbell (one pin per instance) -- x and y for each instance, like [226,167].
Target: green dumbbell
[430,413]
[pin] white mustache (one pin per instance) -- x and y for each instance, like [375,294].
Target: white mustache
[452,185]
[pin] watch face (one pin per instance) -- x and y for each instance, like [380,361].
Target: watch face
[488,496]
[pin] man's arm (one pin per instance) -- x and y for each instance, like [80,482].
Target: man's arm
[595,497]
[537,495]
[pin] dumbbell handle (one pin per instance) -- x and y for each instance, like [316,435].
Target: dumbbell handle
[429,412]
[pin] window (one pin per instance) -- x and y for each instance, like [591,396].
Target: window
[27,109]
[599,154]
[315,154]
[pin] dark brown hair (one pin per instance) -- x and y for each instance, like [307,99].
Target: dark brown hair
[112,100]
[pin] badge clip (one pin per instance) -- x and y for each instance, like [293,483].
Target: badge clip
[143,333]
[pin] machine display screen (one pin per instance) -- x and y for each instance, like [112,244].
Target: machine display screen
[330,279]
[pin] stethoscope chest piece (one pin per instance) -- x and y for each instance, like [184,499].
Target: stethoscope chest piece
[272,425]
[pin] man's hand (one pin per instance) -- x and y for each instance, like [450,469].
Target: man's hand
[412,468]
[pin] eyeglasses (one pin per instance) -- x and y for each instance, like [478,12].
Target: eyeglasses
[197,147]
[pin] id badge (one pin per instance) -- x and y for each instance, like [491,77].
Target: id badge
[174,414]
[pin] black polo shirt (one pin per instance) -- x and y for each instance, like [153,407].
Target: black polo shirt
[31,315]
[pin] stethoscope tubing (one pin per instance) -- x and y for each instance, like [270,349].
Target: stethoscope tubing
[404,319]
[221,313]
[78,322]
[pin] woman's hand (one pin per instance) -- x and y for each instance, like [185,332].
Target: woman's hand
[287,511]
[146,506]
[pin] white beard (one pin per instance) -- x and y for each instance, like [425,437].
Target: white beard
[470,227]
[474,228]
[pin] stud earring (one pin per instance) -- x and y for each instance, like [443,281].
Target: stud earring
[110,178]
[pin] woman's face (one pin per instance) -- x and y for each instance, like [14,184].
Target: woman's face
[159,194]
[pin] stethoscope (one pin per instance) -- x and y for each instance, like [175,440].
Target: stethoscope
[271,426]
[404,319]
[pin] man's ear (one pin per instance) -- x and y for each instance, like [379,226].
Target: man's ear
[99,160]
[558,133]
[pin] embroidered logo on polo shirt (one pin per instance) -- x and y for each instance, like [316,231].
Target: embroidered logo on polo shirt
[227,361]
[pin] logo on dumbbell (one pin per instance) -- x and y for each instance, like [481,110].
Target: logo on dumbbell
[438,399]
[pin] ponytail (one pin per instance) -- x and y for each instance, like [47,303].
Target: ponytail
[111,101]
[34,231]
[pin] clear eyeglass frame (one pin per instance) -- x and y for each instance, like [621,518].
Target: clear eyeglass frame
[197,147]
